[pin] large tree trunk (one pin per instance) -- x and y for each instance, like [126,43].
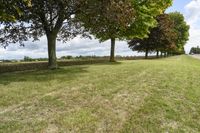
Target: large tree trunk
[112,51]
[146,53]
[52,51]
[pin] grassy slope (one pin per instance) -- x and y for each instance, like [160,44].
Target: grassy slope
[131,96]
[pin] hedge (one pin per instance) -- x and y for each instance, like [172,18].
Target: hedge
[13,67]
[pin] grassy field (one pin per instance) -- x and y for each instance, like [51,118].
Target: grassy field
[141,96]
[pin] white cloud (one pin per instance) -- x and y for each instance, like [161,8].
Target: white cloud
[193,19]
[77,46]
[194,39]
[193,13]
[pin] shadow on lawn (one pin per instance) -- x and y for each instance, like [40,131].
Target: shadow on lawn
[109,63]
[62,74]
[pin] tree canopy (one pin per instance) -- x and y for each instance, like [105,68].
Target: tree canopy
[195,50]
[161,38]
[9,9]
[166,37]
[121,19]
[146,13]
[182,29]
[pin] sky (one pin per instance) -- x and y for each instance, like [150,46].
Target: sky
[79,46]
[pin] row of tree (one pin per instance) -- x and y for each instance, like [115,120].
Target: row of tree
[195,50]
[168,38]
[65,19]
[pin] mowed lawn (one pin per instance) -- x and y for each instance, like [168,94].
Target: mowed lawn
[138,96]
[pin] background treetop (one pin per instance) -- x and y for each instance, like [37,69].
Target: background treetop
[9,9]
[146,12]
[181,28]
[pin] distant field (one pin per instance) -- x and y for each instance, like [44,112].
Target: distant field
[136,96]
[84,58]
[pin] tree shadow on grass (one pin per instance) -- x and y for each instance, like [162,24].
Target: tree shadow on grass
[62,74]
[109,63]
[67,73]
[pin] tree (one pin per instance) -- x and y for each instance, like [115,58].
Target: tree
[9,9]
[107,20]
[182,30]
[161,38]
[195,50]
[53,18]
[28,59]
[121,19]
[169,36]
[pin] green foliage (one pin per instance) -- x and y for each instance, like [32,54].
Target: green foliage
[121,19]
[181,28]
[161,38]
[106,19]
[195,50]
[146,12]
[66,57]
[27,59]
[40,18]
[170,35]
[9,10]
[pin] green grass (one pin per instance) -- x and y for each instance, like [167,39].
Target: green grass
[142,96]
